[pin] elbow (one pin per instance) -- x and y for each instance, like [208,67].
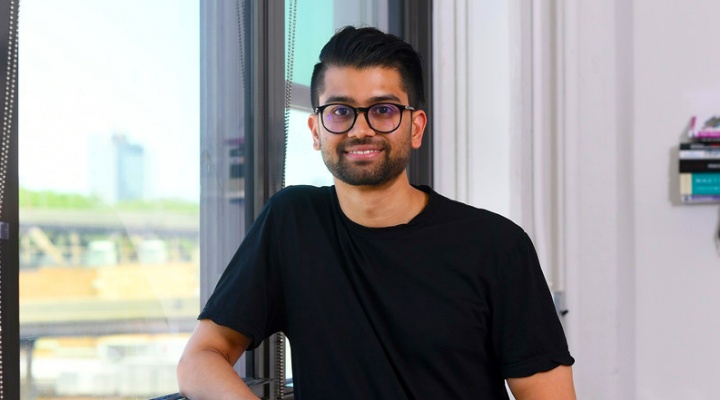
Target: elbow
[183,376]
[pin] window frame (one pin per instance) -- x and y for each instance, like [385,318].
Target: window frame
[9,248]
[259,102]
[418,32]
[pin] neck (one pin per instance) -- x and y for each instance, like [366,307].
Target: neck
[393,203]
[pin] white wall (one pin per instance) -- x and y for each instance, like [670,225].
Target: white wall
[642,272]
[676,74]
[598,233]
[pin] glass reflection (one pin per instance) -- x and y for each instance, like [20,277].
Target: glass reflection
[109,199]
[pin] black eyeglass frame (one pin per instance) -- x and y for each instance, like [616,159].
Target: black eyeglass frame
[319,110]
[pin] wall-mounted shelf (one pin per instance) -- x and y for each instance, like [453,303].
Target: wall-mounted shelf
[699,168]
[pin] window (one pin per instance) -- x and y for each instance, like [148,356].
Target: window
[109,196]
[149,133]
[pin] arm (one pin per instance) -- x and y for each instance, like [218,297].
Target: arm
[556,384]
[205,370]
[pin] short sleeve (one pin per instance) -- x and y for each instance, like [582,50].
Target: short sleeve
[526,331]
[247,297]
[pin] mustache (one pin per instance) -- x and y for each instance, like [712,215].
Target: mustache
[364,141]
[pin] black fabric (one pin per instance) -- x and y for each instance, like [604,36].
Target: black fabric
[444,307]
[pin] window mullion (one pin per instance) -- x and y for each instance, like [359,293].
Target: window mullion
[267,140]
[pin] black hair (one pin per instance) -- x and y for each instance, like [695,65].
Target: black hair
[369,47]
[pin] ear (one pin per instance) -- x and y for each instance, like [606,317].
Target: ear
[313,125]
[419,120]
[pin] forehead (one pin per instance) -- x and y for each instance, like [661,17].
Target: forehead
[361,85]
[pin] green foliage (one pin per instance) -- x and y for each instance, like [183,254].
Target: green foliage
[45,199]
[49,199]
[175,205]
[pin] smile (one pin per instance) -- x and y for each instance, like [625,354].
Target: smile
[363,151]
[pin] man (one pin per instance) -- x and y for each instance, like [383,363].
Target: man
[385,290]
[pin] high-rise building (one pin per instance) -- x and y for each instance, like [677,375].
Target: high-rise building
[117,168]
[130,159]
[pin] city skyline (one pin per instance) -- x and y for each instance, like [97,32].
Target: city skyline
[86,70]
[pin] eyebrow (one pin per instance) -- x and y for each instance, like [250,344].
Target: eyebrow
[372,100]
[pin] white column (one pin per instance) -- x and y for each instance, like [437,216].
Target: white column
[597,236]
[472,117]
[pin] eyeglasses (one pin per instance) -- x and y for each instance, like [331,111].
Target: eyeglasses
[382,117]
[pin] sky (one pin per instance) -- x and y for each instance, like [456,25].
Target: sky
[90,69]
[96,68]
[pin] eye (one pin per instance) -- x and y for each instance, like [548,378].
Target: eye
[384,110]
[340,111]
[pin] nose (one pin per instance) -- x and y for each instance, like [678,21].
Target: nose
[361,128]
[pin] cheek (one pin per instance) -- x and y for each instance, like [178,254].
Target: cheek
[323,143]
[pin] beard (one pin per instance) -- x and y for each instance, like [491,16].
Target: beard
[367,173]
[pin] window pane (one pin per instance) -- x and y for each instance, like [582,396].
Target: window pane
[109,198]
[315,22]
[303,164]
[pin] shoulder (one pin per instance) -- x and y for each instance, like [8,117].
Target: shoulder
[301,202]
[299,194]
[466,214]
[292,208]
[476,225]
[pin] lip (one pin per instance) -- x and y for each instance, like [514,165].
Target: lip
[362,152]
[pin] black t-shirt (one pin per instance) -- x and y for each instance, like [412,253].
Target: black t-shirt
[444,307]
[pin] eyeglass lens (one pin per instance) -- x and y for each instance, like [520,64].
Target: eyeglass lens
[340,118]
